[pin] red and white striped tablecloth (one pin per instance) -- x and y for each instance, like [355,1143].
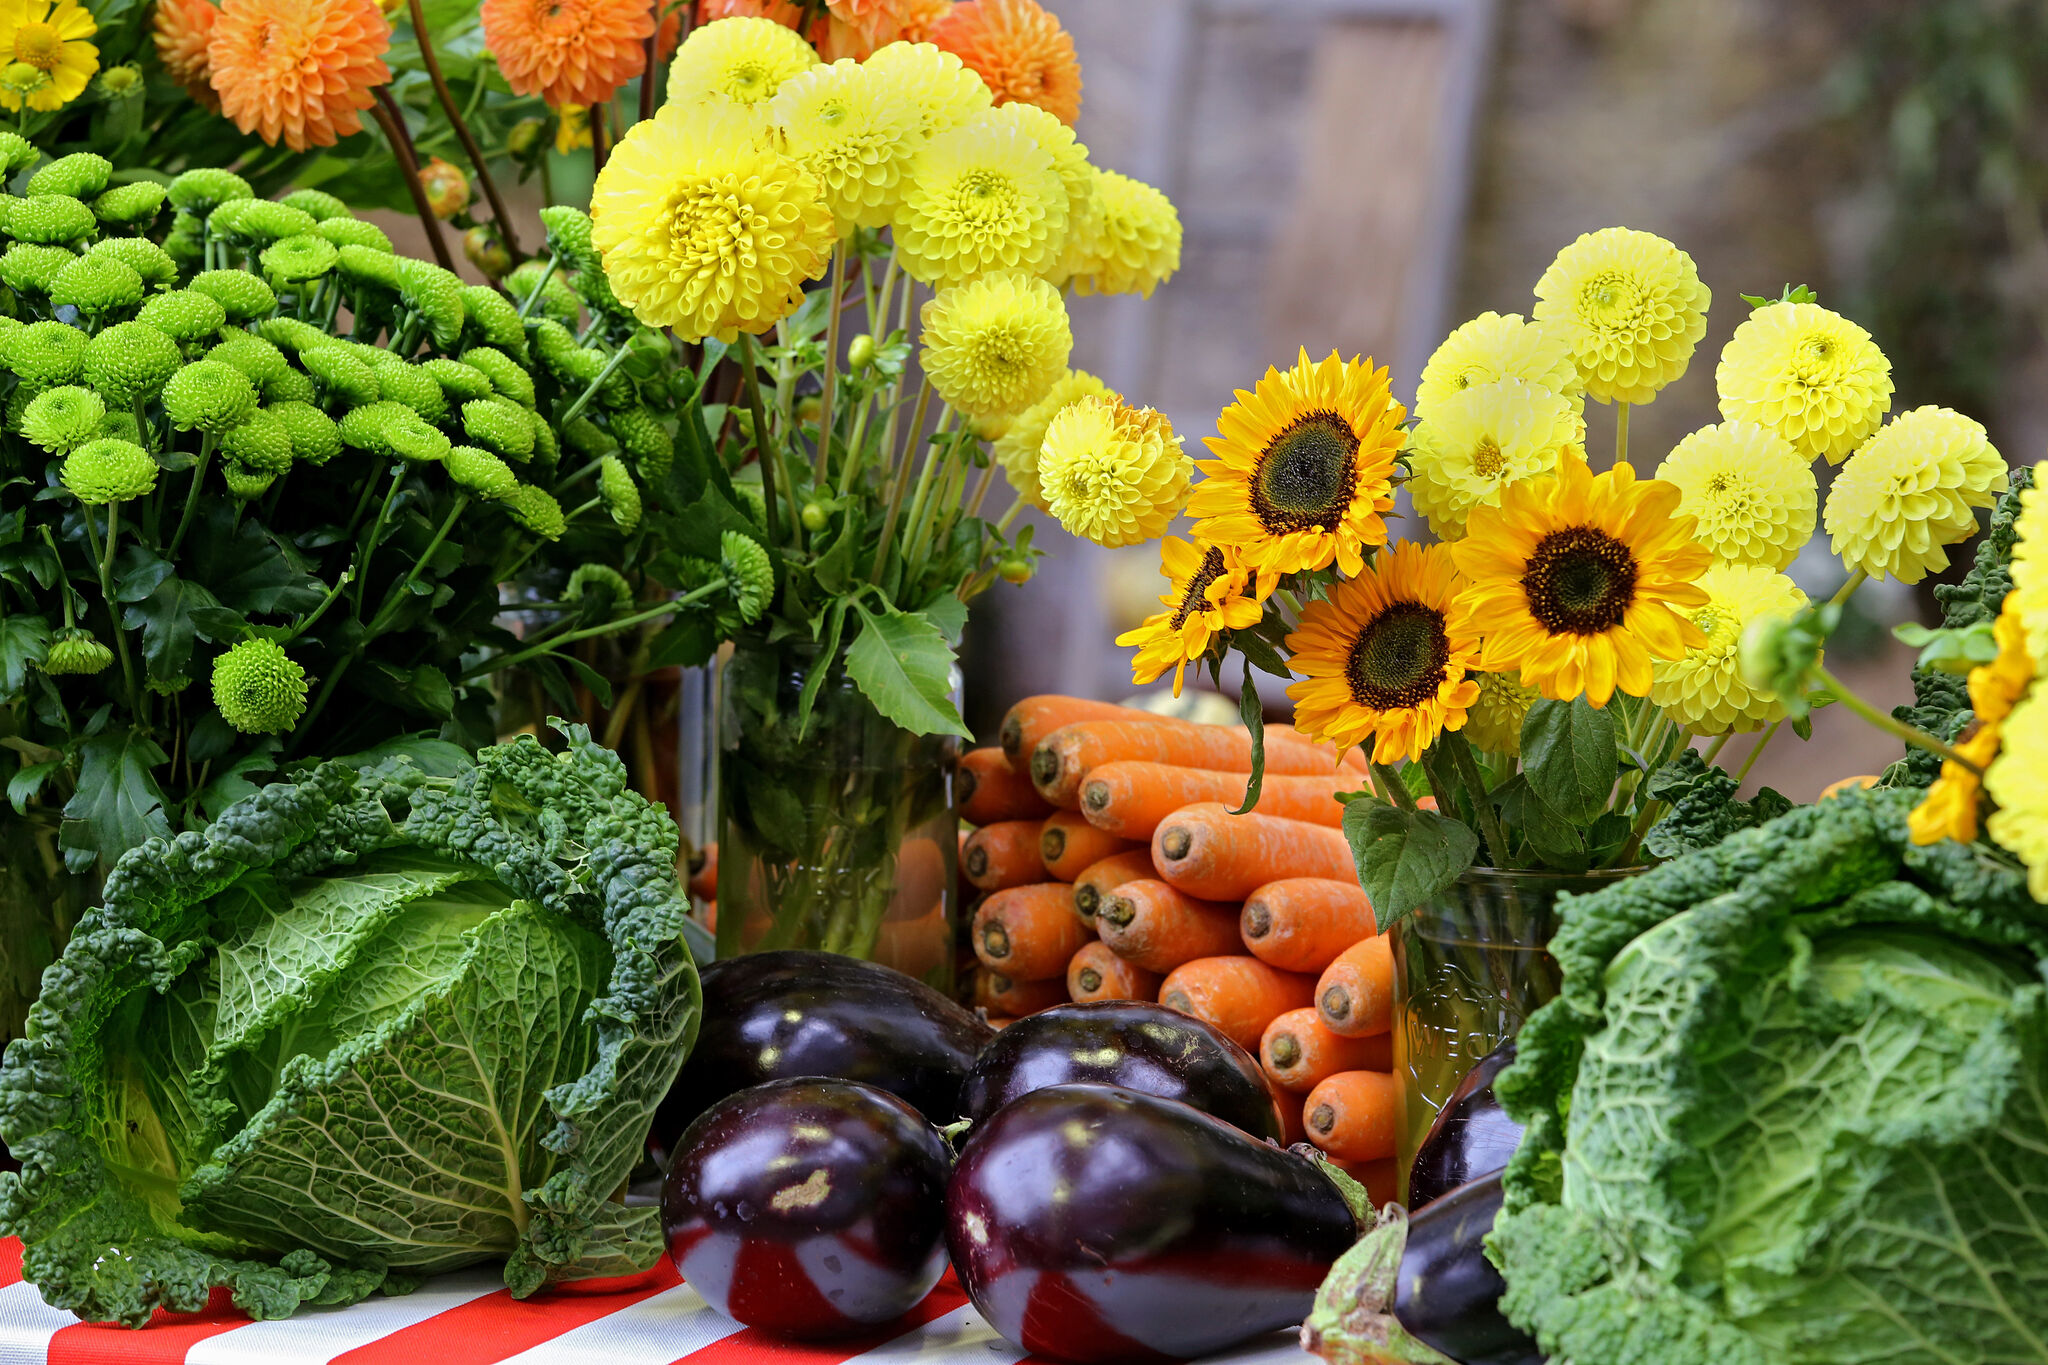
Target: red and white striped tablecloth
[469,1319]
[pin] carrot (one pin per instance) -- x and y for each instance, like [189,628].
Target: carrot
[1064,758]
[1096,973]
[1288,1107]
[1239,995]
[1130,799]
[1028,933]
[709,918]
[915,946]
[1033,718]
[1004,854]
[1300,924]
[1352,1115]
[989,789]
[1106,876]
[1206,851]
[1069,846]
[1001,995]
[1355,994]
[1153,926]
[704,877]
[1299,1053]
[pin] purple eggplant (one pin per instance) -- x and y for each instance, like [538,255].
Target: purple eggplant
[1142,1047]
[1091,1223]
[1447,1294]
[1472,1136]
[808,1208]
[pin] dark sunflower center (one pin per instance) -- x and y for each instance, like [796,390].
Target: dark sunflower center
[1307,475]
[1192,600]
[1400,658]
[1580,581]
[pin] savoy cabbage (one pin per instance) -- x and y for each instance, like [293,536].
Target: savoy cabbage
[368,1026]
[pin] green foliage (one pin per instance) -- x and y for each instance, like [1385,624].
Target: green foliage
[1569,754]
[1405,857]
[1704,810]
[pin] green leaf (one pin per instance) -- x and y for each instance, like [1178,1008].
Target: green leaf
[118,804]
[1253,713]
[902,663]
[169,616]
[24,640]
[1259,654]
[823,664]
[23,786]
[949,614]
[1405,857]
[1569,752]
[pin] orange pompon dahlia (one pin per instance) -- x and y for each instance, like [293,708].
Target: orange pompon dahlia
[788,13]
[181,30]
[1019,50]
[568,51]
[856,28]
[298,71]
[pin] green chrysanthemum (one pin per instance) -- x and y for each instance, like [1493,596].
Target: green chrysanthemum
[96,286]
[17,152]
[187,247]
[47,353]
[458,380]
[436,295]
[133,205]
[31,269]
[74,651]
[262,443]
[240,293]
[481,472]
[258,688]
[252,355]
[392,429]
[598,581]
[568,234]
[80,175]
[347,232]
[129,362]
[64,418]
[201,190]
[557,299]
[748,574]
[258,222]
[572,365]
[344,376]
[419,443]
[294,260]
[499,427]
[244,482]
[507,375]
[209,396]
[108,470]
[538,512]
[121,425]
[288,386]
[51,220]
[141,255]
[318,205]
[587,439]
[487,317]
[315,439]
[293,335]
[403,382]
[594,287]
[621,495]
[184,314]
[643,437]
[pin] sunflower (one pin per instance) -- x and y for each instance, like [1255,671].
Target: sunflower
[180,30]
[1016,449]
[1384,657]
[1494,721]
[1210,592]
[997,344]
[1477,441]
[1752,494]
[1495,346]
[52,39]
[1112,473]
[1578,581]
[744,60]
[1912,491]
[567,51]
[1705,691]
[1811,375]
[855,132]
[1629,307]
[1304,468]
[984,196]
[1019,50]
[1949,811]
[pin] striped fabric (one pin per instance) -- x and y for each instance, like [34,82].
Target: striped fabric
[469,1319]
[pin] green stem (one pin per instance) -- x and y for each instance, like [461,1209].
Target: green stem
[1475,784]
[1757,750]
[583,400]
[398,591]
[764,442]
[432,63]
[307,622]
[1390,782]
[533,296]
[1918,738]
[1854,581]
[398,472]
[1003,525]
[835,280]
[191,496]
[1714,750]
[902,485]
[552,643]
[1621,432]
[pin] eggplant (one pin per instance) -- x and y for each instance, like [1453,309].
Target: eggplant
[1091,1223]
[1472,1136]
[1447,1294]
[808,1208]
[771,1016]
[1143,1047]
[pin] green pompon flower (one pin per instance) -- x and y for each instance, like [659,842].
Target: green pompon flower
[459,381]
[499,427]
[557,299]
[244,482]
[403,382]
[643,436]
[242,294]
[588,439]
[141,255]
[132,205]
[47,353]
[108,470]
[252,355]
[621,495]
[31,269]
[507,375]
[75,651]
[293,335]
[258,689]
[343,375]
[262,443]
[346,232]
[64,418]
[17,152]
[598,580]
[201,190]
[748,573]
[187,247]
[537,511]
[315,437]
[492,321]
[54,218]
[296,259]
[481,472]
[367,265]
[130,362]
[209,396]
[288,386]
[372,426]
[572,365]
[184,314]
[418,443]
[318,205]
[258,222]
[96,286]
[568,233]
[594,287]
[79,175]
[436,295]
[121,425]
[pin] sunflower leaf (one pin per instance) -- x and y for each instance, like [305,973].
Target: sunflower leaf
[1253,713]
[1405,857]
[1570,754]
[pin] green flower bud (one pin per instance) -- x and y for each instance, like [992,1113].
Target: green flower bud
[355,232]
[600,581]
[318,205]
[96,286]
[1014,570]
[31,269]
[288,386]
[314,436]
[262,443]
[557,299]
[252,355]
[491,321]
[1778,654]
[340,373]
[507,375]
[199,191]
[296,259]
[486,252]
[403,382]
[525,137]
[815,517]
[643,436]
[16,152]
[499,427]
[860,353]
[75,651]
[46,353]
[365,265]
[209,396]
[258,689]
[481,472]
[244,482]
[258,222]
[108,470]
[568,233]
[64,418]
[808,407]
[748,573]
[621,496]
[141,255]
[588,439]
[130,362]
[132,205]
[536,511]
[80,176]
[459,381]
[436,295]
[242,294]
[51,219]
[571,365]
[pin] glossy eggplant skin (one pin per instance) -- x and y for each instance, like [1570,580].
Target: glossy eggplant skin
[770,1016]
[1091,1223]
[1447,1294]
[1143,1047]
[808,1208]
[1472,1136]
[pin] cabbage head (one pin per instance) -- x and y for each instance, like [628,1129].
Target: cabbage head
[1791,1108]
[367,1026]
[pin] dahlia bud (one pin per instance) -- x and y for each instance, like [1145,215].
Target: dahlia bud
[486,252]
[525,138]
[815,517]
[1014,570]
[860,353]
[446,186]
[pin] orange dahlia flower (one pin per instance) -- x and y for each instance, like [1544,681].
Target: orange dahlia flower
[181,29]
[1019,49]
[570,51]
[788,13]
[298,71]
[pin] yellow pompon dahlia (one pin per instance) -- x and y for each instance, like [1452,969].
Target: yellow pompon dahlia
[1629,307]
[1704,691]
[997,344]
[1112,473]
[705,229]
[2013,781]
[1494,722]
[1304,471]
[1495,346]
[1384,658]
[744,60]
[1210,592]
[984,196]
[1752,494]
[52,39]
[1477,441]
[1016,450]
[853,130]
[1912,491]
[1136,247]
[1579,581]
[2030,570]
[1070,159]
[938,84]
[1811,375]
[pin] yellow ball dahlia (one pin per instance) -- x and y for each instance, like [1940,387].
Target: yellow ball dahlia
[1477,441]
[1753,495]
[1136,246]
[1910,492]
[1630,308]
[2029,598]
[1811,375]
[1112,473]
[705,229]
[1496,346]
[984,196]
[1494,722]
[1703,690]
[1209,591]
[2020,824]
[855,132]
[995,345]
[1070,159]
[1016,450]
[937,84]
[744,60]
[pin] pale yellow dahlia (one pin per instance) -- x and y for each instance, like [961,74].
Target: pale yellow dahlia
[1479,440]
[1811,375]
[1112,473]
[744,60]
[2029,599]
[937,84]
[1630,308]
[1910,492]
[1070,159]
[1753,495]
[705,229]
[1949,810]
[997,344]
[1494,722]
[984,196]
[1703,690]
[1137,246]
[855,132]
[1209,591]
[2014,782]
[1495,346]
[1016,450]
